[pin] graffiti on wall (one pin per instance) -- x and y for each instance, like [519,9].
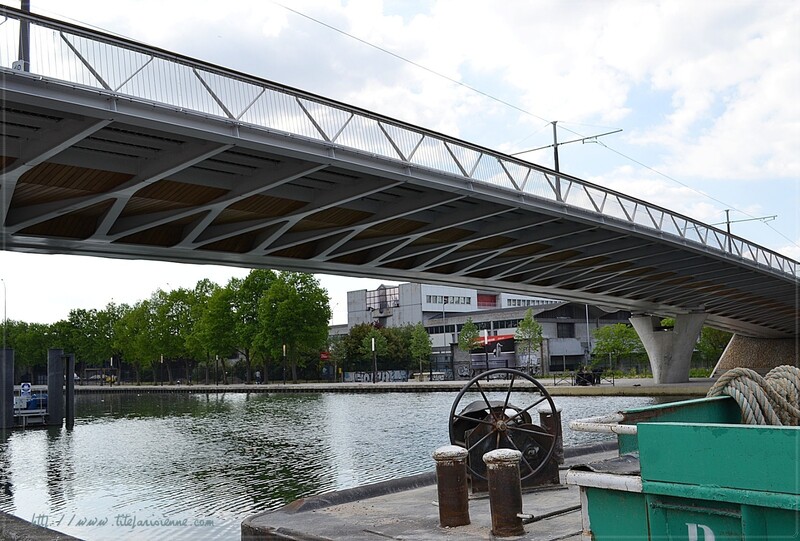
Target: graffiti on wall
[381,376]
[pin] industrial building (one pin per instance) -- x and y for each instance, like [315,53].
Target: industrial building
[567,327]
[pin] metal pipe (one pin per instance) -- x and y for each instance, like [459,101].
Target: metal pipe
[451,485]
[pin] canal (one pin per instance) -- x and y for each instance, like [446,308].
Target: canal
[193,466]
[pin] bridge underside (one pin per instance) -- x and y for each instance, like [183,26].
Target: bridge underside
[85,174]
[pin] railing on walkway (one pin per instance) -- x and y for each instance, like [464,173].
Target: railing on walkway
[61,52]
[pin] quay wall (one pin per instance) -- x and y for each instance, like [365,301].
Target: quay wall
[633,387]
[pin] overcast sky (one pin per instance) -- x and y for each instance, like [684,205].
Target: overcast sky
[706,94]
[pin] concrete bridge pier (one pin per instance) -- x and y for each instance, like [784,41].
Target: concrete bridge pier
[669,350]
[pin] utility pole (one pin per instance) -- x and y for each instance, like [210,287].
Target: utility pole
[24,62]
[728,223]
[556,144]
[555,147]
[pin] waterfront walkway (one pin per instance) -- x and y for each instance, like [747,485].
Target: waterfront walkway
[621,387]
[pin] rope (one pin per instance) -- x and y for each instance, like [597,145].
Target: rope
[770,400]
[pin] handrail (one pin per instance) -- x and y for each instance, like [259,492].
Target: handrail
[117,66]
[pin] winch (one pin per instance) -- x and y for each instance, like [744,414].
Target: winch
[497,414]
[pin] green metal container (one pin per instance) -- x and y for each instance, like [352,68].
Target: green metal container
[702,476]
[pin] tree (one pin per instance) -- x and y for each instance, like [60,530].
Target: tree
[337,350]
[133,338]
[616,341]
[30,343]
[196,340]
[712,343]
[420,346]
[216,327]
[170,320]
[529,334]
[294,312]
[352,346]
[469,337]
[247,294]
[381,345]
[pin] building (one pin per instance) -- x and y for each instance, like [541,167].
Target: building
[443,310]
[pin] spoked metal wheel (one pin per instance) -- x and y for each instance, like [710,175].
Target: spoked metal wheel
[487,417]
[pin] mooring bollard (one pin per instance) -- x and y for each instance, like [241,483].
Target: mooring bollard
[505,491]
[451,484]
[552,422]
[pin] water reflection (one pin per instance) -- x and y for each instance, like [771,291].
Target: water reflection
[193,466]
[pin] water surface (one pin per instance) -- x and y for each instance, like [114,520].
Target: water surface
[179,466]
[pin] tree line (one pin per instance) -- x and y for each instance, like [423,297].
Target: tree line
[263,319]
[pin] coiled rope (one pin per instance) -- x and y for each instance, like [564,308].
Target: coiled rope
[770,400]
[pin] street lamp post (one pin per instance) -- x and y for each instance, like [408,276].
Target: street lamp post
[161,376]
[374,362]
[444,327]
[284,364]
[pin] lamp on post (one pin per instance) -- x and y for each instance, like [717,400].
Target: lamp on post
[161,376]
[444,327]
[284,364]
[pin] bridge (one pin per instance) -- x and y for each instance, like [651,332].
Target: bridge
[111,148]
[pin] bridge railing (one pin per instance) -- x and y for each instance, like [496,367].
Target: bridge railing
[120,67]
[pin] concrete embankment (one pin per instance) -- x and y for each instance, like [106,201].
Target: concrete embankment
[621,387]
[17,529]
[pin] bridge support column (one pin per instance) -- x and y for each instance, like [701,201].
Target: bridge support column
[669,350]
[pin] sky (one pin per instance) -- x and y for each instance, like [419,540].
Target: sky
[705,93]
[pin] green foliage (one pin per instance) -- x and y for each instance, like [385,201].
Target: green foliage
[352,347]
[712,344]
[618,341]
[132,337]
[381,345]
[398,344]
[30,342]
[295,312]
[529,333]
[420,346]
[337,350]
[469,337]
[247,295]
[89,334]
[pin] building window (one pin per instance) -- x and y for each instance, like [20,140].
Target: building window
[565,330]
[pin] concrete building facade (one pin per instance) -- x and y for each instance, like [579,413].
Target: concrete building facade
[443,310]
